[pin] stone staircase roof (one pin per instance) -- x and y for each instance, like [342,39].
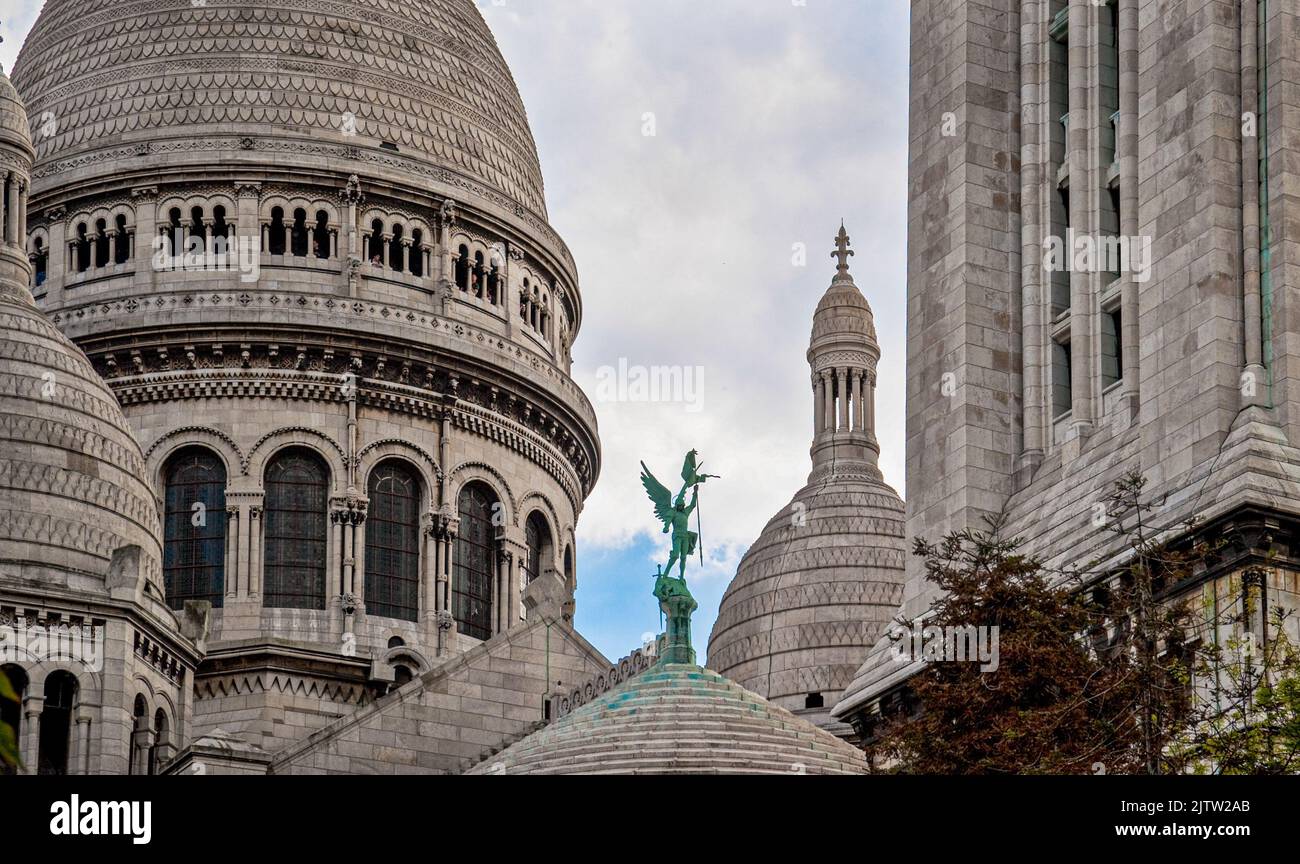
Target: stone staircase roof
[678,719]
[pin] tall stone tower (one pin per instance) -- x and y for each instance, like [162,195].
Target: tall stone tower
[820,583]
[1161,340]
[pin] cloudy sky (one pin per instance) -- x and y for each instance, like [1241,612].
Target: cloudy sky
[689,148]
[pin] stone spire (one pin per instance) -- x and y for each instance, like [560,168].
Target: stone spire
[843,353]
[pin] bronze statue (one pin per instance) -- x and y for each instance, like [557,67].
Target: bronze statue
[676,514]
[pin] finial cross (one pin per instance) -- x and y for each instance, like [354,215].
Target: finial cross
[842,250]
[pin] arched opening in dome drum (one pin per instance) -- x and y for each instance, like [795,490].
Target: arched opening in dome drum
[174,232]
[480,275]
[82,251]
[537,537]
[11,713]
[56,723]
[401,675]
[395,262]
[101,243]
[462,268]
[196,240]
[220,231]
[298,234]
[475,561]
[417,253]
[376,250]
[194,528]
[393,542]
[40,261]
[297,500]
[122,241]
[275,234]
[568,567]
[320,243]
[494,281]
[523,301]
[814,700]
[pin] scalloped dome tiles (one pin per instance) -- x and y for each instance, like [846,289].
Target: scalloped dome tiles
[424,76]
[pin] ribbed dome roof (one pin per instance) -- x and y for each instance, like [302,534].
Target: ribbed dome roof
[814,591]
[148,81]
[72,477]
[13,116]
[843,312]
[678,719]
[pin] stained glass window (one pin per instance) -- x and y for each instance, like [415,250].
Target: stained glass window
[297,498]
[392,543]
[474,561]
[194,532]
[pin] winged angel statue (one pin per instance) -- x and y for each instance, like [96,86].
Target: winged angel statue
[675,513]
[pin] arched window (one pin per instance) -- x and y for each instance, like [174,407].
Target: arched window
[40,260]
[321,235]
[475,559]
[297,497]
[417,252]
[523,301]
[276,231]
[101,243]
[401,675]
[56,723]
[537,536]
[299,233]
[462,268]
[122,242]
[479,274]
[393,542]
[139,724]
[377,243]
[194,528]
[83,248]
[161,742]
[568,567]
[11,713]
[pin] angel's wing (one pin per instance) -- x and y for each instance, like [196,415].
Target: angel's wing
[659,496]
[689,468]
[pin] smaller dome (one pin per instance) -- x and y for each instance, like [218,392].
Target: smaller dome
[843,313]
[13,119]
[72,476]
[678,719]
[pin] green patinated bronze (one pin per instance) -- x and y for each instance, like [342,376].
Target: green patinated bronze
[675,599]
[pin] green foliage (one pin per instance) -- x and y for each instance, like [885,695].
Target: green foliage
[1100,672]
[9,755]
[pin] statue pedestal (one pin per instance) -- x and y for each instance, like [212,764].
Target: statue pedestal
[677,604]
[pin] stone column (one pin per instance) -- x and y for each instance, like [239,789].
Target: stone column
[142,741]
[31,744]
[83,749]
[231,570]
[819,406]
[828,402]
[1078,156]
[56,263]
[841,388]
[255,528]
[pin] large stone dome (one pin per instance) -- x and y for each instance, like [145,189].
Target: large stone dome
[416,85]
[678,719]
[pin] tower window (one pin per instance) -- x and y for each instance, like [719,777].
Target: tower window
[1112,347]
[1061,393]
[297,490]
[56,723]
[194,528]
[814,700]
[392,543]
[474,562]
